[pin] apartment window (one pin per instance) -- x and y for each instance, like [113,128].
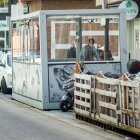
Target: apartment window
[3,3]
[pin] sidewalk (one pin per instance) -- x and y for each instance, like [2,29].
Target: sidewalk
[67,117]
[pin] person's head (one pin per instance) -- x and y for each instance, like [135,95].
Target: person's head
[91,42]
[101,54]
[73,44]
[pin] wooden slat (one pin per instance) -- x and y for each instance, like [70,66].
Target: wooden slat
[84,112]
[131,113]
[84,86]
[129,84]
[108,81]
[82,103]
[82,76]
[108,105]
[108,118]
[106,93]
[84,95]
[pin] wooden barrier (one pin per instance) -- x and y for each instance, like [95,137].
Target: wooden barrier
[112,101]
[107,95]
[130,103]
[82,94]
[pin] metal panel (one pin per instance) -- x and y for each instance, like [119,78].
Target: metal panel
[26,80]
[58,73]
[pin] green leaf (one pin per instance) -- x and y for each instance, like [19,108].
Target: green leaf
[128,4]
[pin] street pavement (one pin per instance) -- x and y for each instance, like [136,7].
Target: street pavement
[23,122]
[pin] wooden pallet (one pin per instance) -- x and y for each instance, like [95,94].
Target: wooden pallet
[82,94]
[107,100]
[130,103]
[126,131]
[106,96]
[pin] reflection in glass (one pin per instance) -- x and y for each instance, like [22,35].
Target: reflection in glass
[63,30]
[9,60]
[2,34]
[60,35]
[1,44]
[3,3]
[26,41]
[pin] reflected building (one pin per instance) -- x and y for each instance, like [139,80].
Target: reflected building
[5,14]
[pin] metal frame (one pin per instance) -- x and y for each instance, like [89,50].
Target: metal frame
[46,104]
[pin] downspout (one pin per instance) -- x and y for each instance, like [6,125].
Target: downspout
[106,48]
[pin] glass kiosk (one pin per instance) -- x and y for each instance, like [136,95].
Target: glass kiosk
[40,44]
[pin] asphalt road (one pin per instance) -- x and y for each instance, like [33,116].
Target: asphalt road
[21,122]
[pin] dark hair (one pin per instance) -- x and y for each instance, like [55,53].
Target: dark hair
[91,39]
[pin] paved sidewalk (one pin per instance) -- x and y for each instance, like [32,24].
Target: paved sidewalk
[67,117]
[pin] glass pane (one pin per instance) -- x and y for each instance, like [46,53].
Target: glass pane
[61,38]
[1,44]
[63,31]
[3,3]
[105,32]
[2,34]
[9,60]
[26,41]
[7,39]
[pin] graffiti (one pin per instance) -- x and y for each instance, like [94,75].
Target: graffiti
[23,90]
[61,76]
[27,80]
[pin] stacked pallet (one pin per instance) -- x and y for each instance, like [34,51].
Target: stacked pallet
[112,101]
[130,103]
[107,105]
[82,94]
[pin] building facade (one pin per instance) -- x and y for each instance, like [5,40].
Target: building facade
[35,5]
[5,13]
[133,29]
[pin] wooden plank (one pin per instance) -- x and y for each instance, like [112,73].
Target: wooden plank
[93,96]
[108,81]
[106,93]
[127,98]
[129,84]
[108,105]
[84,95]
[139,103]
[82,103]
[133,100]
[108,118]
[80,85]
[131,113]
[80,111]
[82,76]
[91,101]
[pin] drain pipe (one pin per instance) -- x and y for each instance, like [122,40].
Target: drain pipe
[106,48]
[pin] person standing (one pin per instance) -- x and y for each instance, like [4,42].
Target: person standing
[71,53]
[89,52]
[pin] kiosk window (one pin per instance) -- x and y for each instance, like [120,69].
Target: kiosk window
[60,35]
[3,3]
[26,41]
[63,30]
